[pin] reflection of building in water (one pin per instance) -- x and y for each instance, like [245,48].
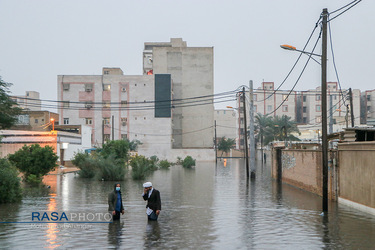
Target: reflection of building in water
[52,227]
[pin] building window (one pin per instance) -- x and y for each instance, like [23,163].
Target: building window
[241,120]
[318,119]
[66,86]
[66,104]
[285,108]
[368,98]
[242,131]
[224,112]
[124,121]
[255,108]
[106,137]
[317,97]
[106,87]
[304,120]
[106,121]
[106,72]
[124,136]
[304,98]
[88,87]
[304,109]
[269,108]
[255,97]
[285,97]
[317,108]
[123,89]
[66,121]
[36,121]
[334,97]
[88,121]
[106,104]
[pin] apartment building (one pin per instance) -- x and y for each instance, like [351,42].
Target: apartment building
[368,107]
[116,106]
[29,101]
[225,123]
[192,73]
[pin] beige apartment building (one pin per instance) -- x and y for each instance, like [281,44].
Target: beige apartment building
[192,72]
[29,101]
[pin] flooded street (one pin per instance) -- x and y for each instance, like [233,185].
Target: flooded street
[203,208]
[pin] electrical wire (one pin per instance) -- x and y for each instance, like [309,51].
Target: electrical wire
[299,77]
[354,3]
[291,70]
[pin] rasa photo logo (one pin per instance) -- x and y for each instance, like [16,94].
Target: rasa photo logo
[70,217]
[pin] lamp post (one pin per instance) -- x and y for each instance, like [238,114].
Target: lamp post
[53,124]
[323,104]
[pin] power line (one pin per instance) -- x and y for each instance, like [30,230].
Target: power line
[308,40]
[354,3]
[299,77]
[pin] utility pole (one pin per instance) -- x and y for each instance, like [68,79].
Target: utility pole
[113,128]
[245,123]
[252,137]
[102,132]
[351,106]
[215,143]
[330,115]
[324,111]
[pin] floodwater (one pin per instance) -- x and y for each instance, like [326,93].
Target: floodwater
[209,207]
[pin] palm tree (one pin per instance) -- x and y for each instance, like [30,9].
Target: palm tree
[225,144]
[262,123]
[284,127]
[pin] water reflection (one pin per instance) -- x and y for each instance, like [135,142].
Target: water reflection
[213,207]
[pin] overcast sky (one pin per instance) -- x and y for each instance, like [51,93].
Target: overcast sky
[41,39]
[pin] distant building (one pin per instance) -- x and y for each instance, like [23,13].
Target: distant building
[226,123]
[36,120]
[30,101]
[368,107]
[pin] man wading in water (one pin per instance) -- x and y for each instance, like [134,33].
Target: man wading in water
[152,196]
[115,202]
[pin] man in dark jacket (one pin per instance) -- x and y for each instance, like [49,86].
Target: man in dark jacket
[115,202]
[152,196]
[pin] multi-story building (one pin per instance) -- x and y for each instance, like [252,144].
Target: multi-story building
[368,107]
[338,106]
[191,69]
[29,101]
[225,123]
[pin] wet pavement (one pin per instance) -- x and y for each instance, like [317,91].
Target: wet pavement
[209,207]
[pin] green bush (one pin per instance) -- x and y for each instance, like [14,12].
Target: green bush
[164,164]
[188,162]
[118,148]
[79,158]
[110,169]
[141,167]
[10,190]
[34,160]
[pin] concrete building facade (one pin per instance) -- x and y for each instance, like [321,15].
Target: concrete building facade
[36,120]
[225,123]
[29,101]
[191,69]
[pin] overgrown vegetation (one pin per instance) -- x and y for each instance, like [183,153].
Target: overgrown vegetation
[8,108]
[141,167]
[188,162]
[10,190]
[164,164]
[34,161]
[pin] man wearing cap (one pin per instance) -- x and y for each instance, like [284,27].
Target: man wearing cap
[152,196]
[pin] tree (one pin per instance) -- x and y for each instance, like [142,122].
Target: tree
[118,148]
[34,161]
[8,108]
[262,124]
[10,189]
[225,144]
[284,127]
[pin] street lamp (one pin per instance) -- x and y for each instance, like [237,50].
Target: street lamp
[290,47]
[53,124]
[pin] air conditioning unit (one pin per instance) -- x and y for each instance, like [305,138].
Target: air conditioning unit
[88,106]
[124,124]
[123,89]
